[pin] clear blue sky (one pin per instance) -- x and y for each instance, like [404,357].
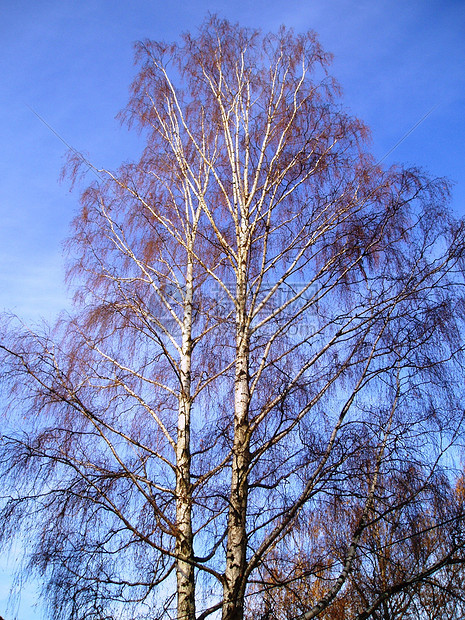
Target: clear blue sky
[72,62]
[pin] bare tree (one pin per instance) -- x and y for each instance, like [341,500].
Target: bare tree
[409,563]
[268,327]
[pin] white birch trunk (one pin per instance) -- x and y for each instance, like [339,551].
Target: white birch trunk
[233,601]
[184,541]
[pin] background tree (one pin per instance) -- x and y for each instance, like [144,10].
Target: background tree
[409,565]
[267,332]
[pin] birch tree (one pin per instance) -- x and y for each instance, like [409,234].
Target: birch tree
[267,326]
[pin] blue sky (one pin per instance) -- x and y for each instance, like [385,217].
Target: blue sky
[72,62]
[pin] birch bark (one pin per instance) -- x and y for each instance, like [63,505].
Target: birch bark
[184,541]
[236,550]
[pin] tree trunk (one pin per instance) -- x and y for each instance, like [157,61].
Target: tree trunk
[233,602]
[184,541]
